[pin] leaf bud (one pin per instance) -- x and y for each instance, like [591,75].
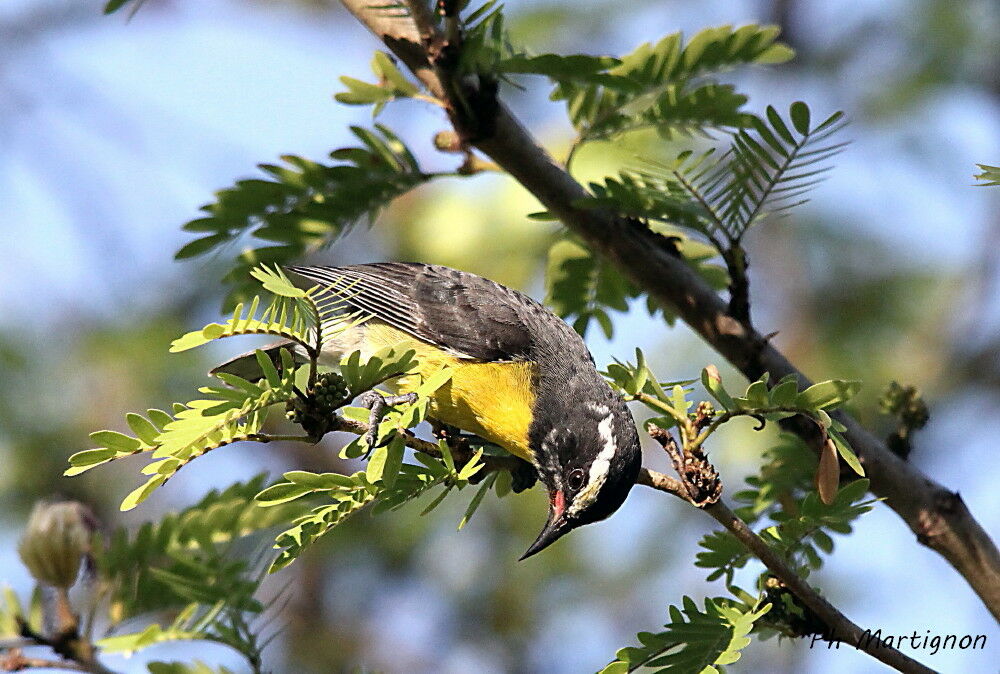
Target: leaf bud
[55,541]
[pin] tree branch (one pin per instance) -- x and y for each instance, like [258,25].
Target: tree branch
[16,661]
[938,516]
[840,626]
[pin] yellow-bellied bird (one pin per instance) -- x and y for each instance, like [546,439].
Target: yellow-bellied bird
[522,378]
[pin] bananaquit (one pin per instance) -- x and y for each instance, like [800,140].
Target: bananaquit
[522,378]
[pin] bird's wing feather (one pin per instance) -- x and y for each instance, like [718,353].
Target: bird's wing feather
[466,314]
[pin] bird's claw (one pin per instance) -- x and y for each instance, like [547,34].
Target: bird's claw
[376,403]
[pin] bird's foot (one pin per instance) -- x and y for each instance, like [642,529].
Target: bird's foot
[376,403]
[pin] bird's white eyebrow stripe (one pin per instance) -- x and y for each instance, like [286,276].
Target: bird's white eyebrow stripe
[599,468]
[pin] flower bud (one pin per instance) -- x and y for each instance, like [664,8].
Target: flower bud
[55,541]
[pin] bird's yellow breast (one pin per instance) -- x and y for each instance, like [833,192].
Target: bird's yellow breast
[492,400]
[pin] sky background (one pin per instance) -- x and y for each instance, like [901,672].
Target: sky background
[114,132]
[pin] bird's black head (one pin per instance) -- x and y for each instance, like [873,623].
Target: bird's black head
[588,459]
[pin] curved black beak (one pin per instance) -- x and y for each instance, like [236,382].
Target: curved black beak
[556,527]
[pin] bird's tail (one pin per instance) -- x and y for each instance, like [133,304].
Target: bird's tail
[246,366]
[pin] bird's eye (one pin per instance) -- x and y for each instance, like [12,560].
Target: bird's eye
[575,479]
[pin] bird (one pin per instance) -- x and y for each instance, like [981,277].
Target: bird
[521,377]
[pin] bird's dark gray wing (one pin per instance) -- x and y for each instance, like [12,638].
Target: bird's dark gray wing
[466,314]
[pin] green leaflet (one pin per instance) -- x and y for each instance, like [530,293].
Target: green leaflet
[293,314]
[13,612]
[767,169]
[828,394]
[183,566]
[694,641]
[235,413]
[989,177]
[301,205]
[585,288]
[571,67]
[196,667]
[665,85]
[391,85]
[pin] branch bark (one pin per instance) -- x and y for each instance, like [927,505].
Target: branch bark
[841,627]
[938,516]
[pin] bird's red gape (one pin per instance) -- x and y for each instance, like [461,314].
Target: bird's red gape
[558,502]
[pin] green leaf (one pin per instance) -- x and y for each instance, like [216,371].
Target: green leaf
[283,492]
[140,494]
[712,381]
[393,460]
[679,399]
[385,66]
[201,246]
[113,6]
[502,486]
[90,457]
[476,500]
[383,365]
[847,453]
[582,285]
[436,502]
[558,67]
[392,84]
[234,414]
[784,393]
[766,170]
[307,529]
[376,464]
[640,375]
[159,418]
[293,314]
[319,481]
[301,205]
[664,85]
[757,394]
[989,177]
[143,429]
[799,112]
[362,93]
[275,281]
[116,441]
[615,668]
[694,641]
[267,367]
[827,394]
[192,546]
[472,467]
[446,457]
[722,553]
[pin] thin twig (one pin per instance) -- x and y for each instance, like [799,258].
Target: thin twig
[15,661]
[80,655]
[841,627]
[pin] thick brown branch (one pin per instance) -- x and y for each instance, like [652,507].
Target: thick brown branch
[839,626]
[936,515]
